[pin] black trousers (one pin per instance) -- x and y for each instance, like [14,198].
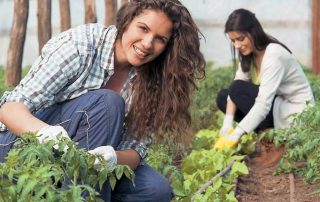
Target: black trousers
[243,94]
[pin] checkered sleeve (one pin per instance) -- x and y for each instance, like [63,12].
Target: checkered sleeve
[49,74]
[141,147]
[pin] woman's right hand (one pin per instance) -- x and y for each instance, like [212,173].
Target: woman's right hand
[52,133]
[227,125]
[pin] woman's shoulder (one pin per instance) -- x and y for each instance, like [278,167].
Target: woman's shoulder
[92,29]
[276,49]
[88,36]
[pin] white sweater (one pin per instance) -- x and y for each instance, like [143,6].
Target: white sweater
[281,75]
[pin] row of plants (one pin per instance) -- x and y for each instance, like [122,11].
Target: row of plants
[202,164]
[302,142]
[37,172]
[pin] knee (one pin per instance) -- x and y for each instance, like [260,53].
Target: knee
[108,99]
[160,190]
[221,99]
[236,88]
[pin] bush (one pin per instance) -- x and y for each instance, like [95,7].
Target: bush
[204,109]
[37,172]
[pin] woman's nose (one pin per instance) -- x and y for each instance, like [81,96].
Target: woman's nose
[147,42]
[237,44]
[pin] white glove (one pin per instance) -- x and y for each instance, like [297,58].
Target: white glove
[227,125]
[52,133]
[108,153]
[235,135]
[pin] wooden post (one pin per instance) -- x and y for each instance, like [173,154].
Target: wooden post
[124,1]
[316,36]
[90,11]
[17,39]
[44,22]
[110,12]
[65,19]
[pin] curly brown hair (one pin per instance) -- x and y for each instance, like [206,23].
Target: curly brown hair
[163,87]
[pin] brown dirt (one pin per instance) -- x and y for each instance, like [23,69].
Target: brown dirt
[262,185]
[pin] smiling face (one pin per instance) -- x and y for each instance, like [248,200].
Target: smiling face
[242,42]
[145,38]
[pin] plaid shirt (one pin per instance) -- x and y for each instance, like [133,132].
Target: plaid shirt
[71,64]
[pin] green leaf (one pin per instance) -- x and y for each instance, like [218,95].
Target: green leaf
[239,168]
[119,172]
[29,188]
[112,181]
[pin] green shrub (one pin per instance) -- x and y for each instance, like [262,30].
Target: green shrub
[37,172]
[204,109]
[314,82]
[3,87]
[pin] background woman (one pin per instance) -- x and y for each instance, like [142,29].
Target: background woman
[269,84]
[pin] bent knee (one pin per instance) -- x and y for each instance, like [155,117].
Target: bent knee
[160,191]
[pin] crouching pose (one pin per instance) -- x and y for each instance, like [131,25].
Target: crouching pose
[269,84]
[109,88]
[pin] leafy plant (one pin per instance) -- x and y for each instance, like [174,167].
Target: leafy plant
[204,109]
[302,140]
[37,172]
[203,163]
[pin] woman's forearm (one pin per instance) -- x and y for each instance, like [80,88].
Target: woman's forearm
[231,108]
[128,157]
[18,119]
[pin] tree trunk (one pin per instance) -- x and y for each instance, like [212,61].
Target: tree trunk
[124,1]
[110,12]
[316,36]
[18,36]
[44,22]
[90,11]
[65,19]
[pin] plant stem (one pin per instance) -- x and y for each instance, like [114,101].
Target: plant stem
[212,180]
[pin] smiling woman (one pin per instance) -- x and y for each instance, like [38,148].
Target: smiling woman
[145,38]
[129,81]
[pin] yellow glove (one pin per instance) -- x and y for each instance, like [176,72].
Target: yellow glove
[230,140]
[223,142]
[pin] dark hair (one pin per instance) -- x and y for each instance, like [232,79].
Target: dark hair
[163,87]
[242,20]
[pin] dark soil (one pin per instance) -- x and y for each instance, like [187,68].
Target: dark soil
[262,185]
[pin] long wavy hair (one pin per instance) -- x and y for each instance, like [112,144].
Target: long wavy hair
[163,87]
[242,20]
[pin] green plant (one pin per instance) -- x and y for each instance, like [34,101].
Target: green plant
[204,109]
[37,172]
[302,140]
[3,87]
[314,83]
[202,164]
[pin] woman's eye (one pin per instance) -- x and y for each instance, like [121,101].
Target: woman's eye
[144,29]
[161,40]
[241,38]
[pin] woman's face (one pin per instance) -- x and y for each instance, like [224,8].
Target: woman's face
[242,42]
[145,38]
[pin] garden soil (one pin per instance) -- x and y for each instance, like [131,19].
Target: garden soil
[262,185]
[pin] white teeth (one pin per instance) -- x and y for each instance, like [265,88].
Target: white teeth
[139,52]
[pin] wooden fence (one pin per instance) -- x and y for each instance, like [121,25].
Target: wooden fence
[21,9]
[19,27]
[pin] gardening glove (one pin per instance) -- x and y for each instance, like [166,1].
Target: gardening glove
[48,133]
[108,153]
[230,140]
[227,127]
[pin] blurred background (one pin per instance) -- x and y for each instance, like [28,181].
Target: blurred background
[288,21]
